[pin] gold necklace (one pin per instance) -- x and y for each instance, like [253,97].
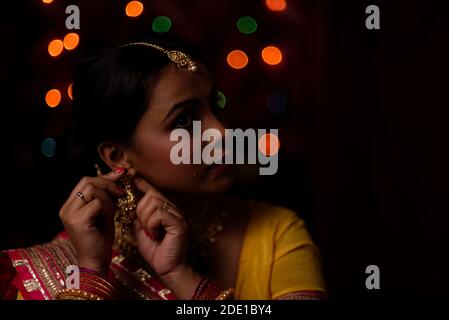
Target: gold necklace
[203,231]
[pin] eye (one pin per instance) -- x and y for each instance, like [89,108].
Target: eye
[184,120]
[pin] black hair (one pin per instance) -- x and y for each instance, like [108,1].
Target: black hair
[111,92]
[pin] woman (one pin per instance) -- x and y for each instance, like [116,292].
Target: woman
[150,229]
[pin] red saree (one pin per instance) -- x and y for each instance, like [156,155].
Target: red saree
[38,273]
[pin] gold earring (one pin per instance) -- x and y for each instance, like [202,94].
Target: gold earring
[127,205]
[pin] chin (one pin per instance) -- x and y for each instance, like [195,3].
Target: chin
[219,185]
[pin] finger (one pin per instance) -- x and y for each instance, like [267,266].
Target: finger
[172,225]
[145,209]
[139,231]
[149,200]
[108,212]
[87,213]
[174,211]
[113,175]
[153,192]
[137,227]
[98,182]
[144,212]
[91,211]
[110,186]
[144,186]
[91,193]
[148,205]
[106,182]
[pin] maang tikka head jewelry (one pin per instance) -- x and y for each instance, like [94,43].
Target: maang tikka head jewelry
[181,59]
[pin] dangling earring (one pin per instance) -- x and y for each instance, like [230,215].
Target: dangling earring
[127,205]
[125,241]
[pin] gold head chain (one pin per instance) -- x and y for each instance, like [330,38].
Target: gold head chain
[181,59]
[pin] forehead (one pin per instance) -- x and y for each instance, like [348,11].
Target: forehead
[178,84]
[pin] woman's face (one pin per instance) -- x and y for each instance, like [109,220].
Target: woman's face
[178,98]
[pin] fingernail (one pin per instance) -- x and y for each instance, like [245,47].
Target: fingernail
[119,170]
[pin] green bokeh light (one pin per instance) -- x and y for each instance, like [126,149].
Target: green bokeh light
[48,147]
[247,25]
[221,99]
[161,24]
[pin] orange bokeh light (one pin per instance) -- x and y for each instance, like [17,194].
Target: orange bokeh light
[53,98]
[269,144]
[276,5]
[134,9]
[55,47]
[71,40]
[237,59]
[69,91]
[272,55]
[47,1]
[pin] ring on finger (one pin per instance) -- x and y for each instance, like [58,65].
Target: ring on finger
[81,196]
[166,206]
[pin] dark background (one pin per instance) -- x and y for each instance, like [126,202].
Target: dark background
[364,157]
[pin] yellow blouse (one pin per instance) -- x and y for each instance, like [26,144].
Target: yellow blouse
[278,255]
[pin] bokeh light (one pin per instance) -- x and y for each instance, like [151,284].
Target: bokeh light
[221,99]
[161,24]
[71,41]
[55,47]
[134,9]
[69,91]
[53,98]
[269,144]
[48,147]
[47,1]
[276,5]
[276,103]
[247,25]
[237,59]
[271,55]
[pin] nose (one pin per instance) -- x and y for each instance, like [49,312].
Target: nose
[214,123]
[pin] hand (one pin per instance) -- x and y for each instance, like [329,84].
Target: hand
[90,221]
[161,234]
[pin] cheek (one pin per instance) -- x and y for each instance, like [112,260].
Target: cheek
[155,155]
[155,164]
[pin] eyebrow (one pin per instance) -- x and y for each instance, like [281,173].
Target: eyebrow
[185,103]
[182,104]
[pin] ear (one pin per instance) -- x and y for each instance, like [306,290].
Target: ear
[114,155]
